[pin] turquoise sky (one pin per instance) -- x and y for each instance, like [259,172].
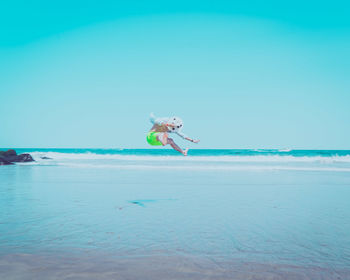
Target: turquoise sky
[249,74]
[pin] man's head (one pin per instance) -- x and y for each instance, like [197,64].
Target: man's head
[176,124]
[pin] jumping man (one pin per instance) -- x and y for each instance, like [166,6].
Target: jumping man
[158,135]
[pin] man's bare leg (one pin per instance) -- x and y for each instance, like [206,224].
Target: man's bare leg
[176,147]
[163,138]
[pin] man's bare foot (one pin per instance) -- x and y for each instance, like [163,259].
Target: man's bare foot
[185,152]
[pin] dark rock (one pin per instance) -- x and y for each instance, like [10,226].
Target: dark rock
[4,162]
[8,153]
[22,158]
[11,156]
[46,158]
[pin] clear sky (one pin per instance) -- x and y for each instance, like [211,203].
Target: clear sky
[241,74]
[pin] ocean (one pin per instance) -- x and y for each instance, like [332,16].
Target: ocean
[215,214]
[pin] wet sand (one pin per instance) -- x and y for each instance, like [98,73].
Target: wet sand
[64,222]
[49,267]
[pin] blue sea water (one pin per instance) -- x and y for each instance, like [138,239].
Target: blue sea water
[289,206]
[196,152]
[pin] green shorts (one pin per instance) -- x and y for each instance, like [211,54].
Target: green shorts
[152,138]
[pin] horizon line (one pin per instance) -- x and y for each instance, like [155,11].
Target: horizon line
[278,149]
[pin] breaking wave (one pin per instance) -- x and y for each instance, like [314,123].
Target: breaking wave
[197,162]
[259,158]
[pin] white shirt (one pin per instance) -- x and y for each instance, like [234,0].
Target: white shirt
[162,121]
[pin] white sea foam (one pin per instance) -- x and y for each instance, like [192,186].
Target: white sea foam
[150,162]
[56,156]
[285,150]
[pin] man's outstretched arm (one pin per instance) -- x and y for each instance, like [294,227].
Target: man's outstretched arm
[186,137]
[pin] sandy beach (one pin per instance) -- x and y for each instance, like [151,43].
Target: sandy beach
[113,216]
[26,266]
